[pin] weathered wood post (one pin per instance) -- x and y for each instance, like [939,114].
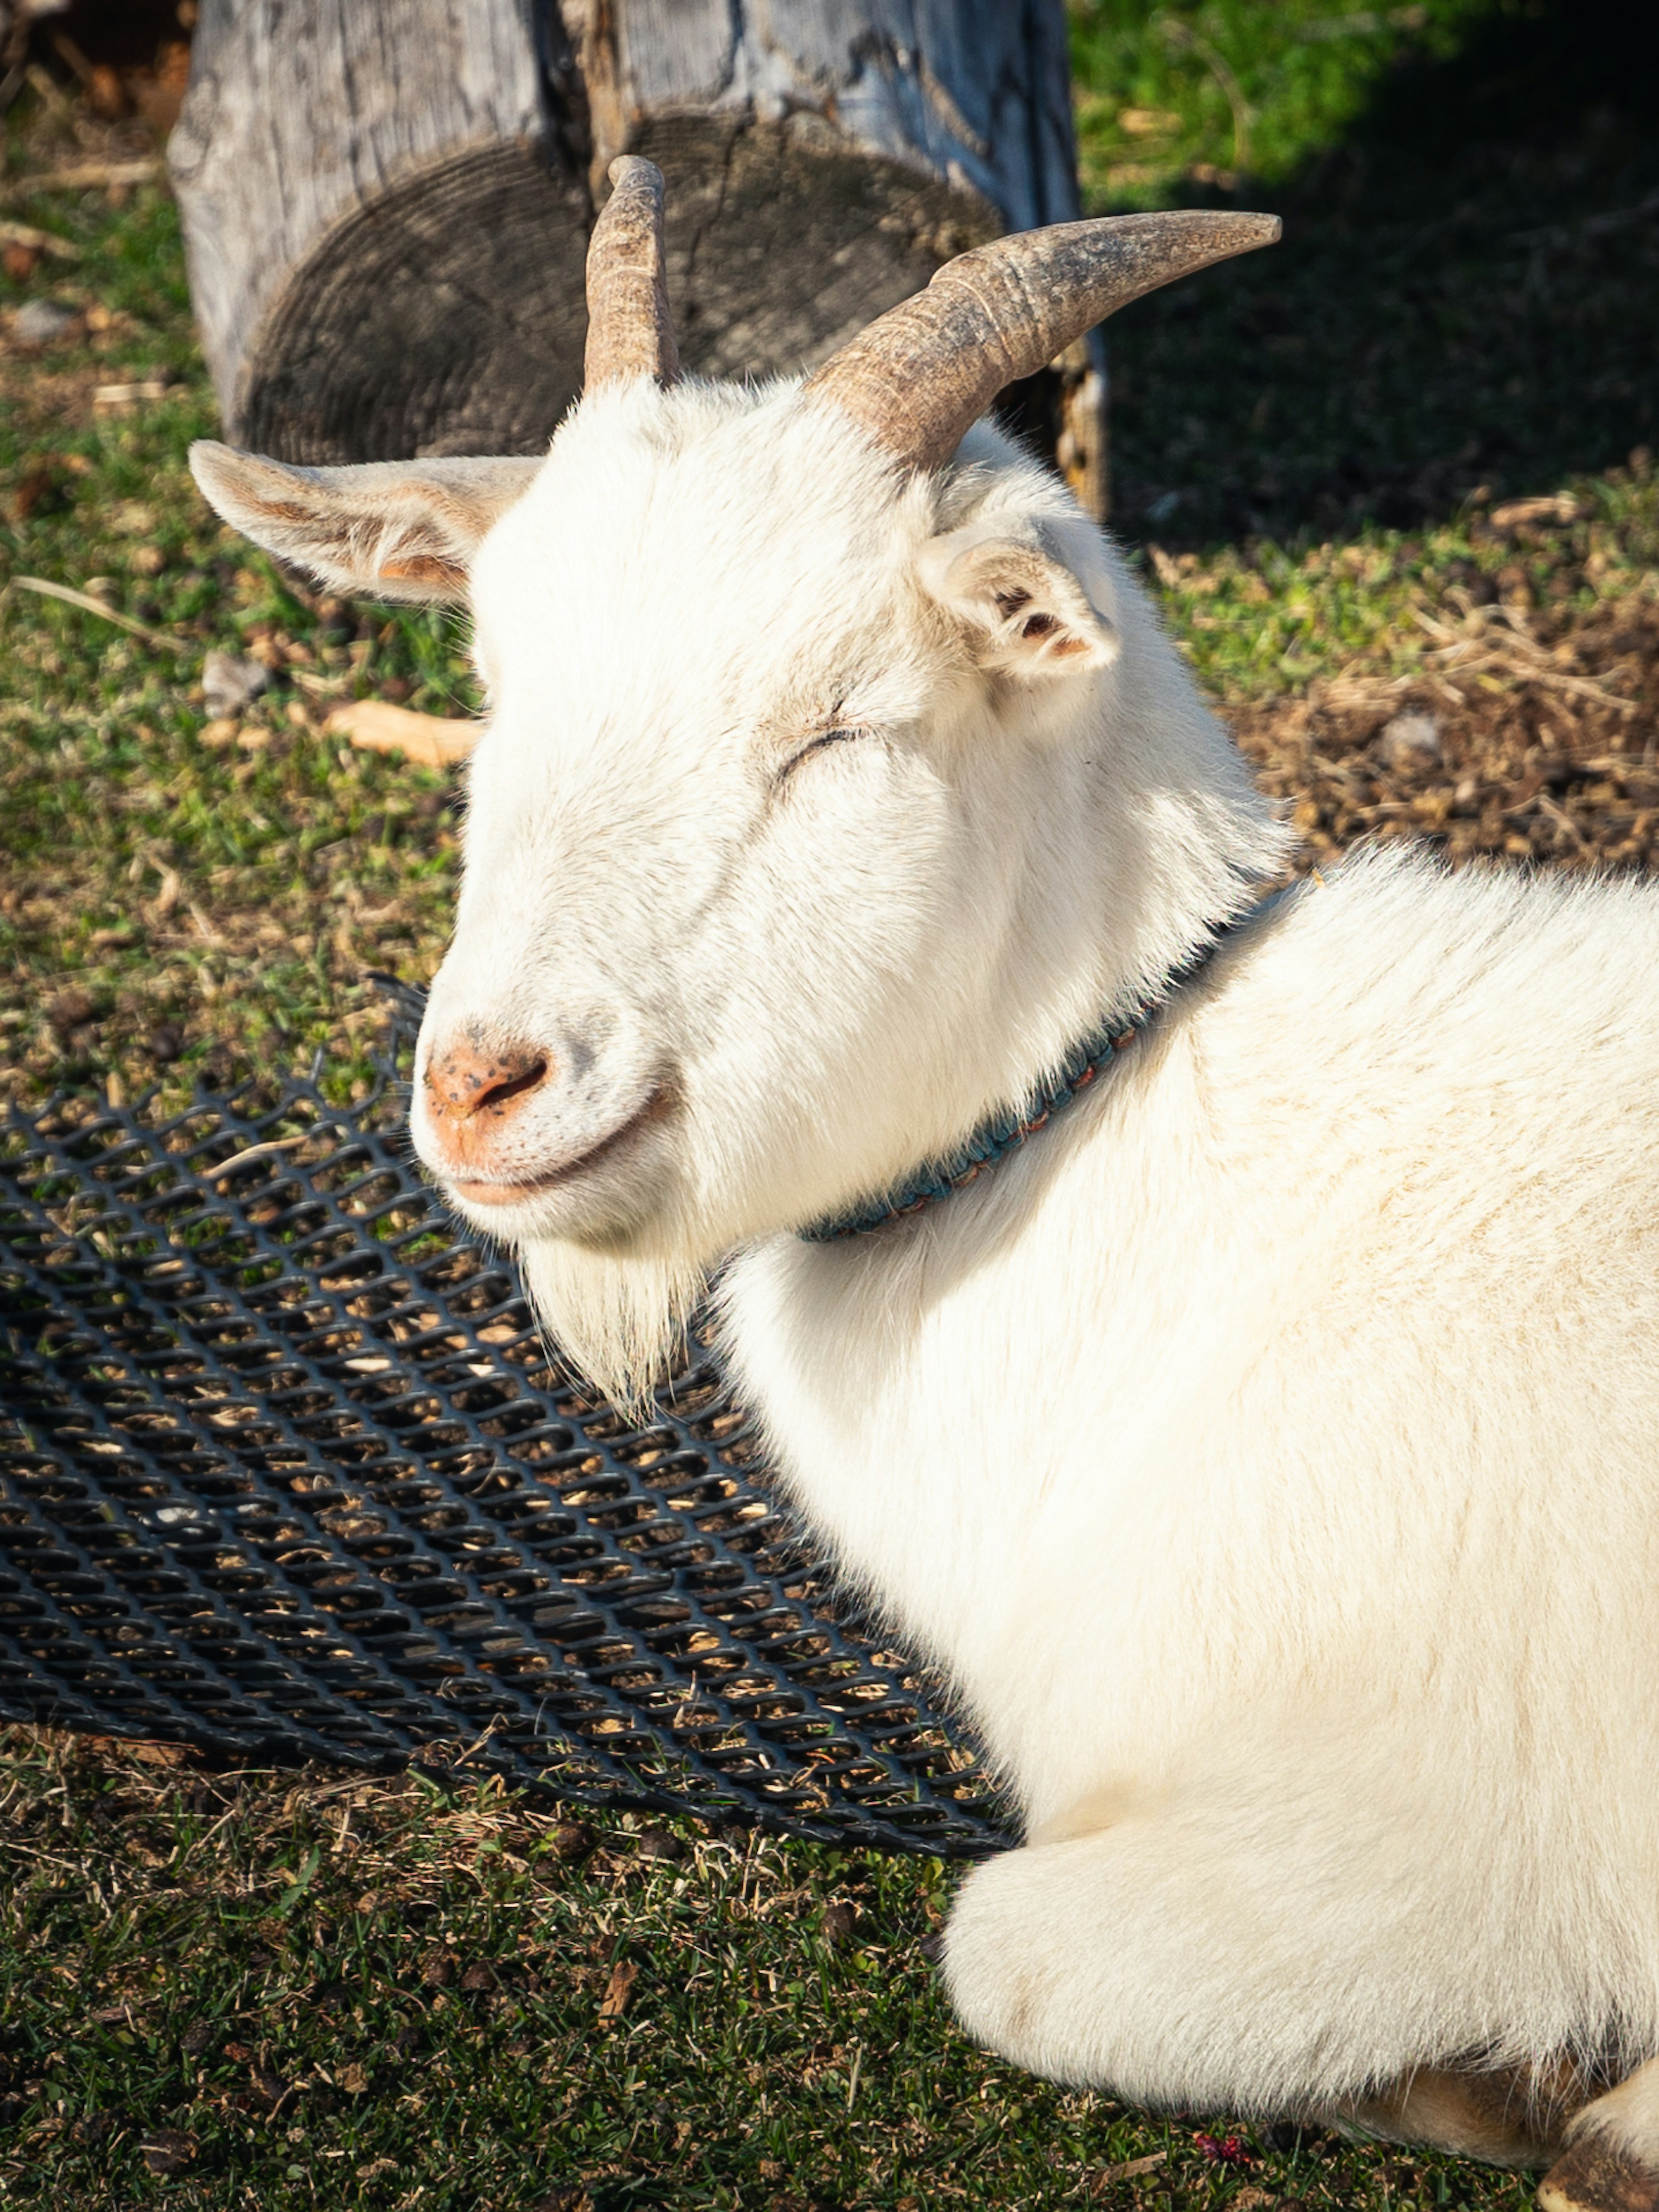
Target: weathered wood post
[386,203]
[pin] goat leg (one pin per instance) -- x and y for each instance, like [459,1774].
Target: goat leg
[1610,2163]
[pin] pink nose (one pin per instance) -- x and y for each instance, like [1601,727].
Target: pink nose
[475,1094]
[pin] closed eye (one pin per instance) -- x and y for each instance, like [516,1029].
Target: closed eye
[843,734]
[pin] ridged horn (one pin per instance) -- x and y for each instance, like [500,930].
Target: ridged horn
[629,330]
[924,373]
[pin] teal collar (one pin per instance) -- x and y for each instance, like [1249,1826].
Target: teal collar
[1006,1132]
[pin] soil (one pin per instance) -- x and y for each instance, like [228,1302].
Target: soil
[1557,765]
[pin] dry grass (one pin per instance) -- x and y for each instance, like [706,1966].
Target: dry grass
[1507,709]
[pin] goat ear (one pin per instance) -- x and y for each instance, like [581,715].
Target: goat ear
[398,530]
[1027,612]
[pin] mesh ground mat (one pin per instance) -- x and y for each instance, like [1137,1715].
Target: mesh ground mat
[285,1472]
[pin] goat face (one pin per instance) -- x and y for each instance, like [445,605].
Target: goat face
[766,893]
[773,729]
[738,883]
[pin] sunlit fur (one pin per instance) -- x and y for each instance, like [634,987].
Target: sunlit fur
[1268,1449]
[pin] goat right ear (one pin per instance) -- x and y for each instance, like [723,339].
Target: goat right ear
[1027,613]
[395,530]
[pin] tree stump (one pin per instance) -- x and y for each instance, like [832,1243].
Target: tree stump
[386,203]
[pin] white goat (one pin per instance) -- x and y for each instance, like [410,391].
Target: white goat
[1268,1447]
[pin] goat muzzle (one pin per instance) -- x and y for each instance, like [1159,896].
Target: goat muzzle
[475,1092]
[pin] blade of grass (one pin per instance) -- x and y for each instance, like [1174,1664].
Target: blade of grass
[87,605]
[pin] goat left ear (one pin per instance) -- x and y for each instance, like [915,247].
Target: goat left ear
[397,530]
[1028,612]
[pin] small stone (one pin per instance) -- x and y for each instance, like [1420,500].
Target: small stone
[572,1839]
[19,262]
[40,490]
[42,322]
[148,561]
[167,2150]
[838,1923]
[166,1044]
[220,732]
[230,681]
[71,1010]
[1410,741]
[652,1844]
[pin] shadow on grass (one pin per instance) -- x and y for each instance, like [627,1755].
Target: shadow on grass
[1467,295]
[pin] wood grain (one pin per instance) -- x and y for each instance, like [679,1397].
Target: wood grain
[386,207]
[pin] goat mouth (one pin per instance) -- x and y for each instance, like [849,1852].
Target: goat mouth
[514,1190]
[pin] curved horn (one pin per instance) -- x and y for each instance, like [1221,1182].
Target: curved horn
[628,331]
[925,372]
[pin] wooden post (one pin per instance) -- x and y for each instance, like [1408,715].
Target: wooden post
[386,203]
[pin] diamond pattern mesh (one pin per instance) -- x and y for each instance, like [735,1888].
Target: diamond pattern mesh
[285,1472]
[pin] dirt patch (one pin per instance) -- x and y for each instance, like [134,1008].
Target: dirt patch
[1511,742]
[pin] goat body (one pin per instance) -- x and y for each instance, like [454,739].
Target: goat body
[1267,1450]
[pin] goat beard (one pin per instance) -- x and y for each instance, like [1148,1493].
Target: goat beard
[622,1322]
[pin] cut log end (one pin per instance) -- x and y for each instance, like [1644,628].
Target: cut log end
[387,210]
[434,319]
[447,315]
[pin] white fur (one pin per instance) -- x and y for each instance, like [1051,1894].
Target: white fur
[1268,1449]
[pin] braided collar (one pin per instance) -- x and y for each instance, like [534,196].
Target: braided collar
[1008,1131]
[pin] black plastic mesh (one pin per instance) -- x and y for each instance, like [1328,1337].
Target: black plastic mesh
[284,1472]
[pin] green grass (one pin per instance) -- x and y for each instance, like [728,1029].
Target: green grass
[1170,95]
[1266,619]
[1466,296]
[291,1991]
[169,876]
